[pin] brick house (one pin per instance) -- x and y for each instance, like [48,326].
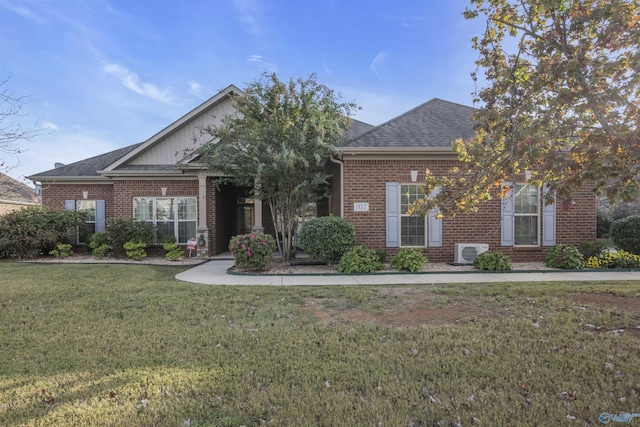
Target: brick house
[377,176]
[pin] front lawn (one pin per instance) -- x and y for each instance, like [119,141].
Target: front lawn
[123,345]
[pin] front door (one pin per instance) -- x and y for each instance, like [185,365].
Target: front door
[245,216]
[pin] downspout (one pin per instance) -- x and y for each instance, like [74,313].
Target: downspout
[334,160]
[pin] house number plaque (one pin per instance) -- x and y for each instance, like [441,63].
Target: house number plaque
[361,207]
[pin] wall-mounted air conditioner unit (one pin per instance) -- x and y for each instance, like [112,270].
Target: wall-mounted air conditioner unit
[465,253]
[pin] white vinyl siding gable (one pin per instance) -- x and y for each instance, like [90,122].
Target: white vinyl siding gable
[171,148]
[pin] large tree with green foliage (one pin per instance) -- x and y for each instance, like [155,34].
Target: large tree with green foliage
[278,143]
[561,101]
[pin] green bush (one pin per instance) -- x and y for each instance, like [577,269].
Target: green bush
[121,231]
[625,234]
[173,251]
[408,259]
[135,250]
[33,231]
[564,256]
[62,250]
[619,259]
[101,251]
[382,255]
[591,248]
[98,239]
[359,259]
[253,251]
[99,243]
[492,261]
[327,238]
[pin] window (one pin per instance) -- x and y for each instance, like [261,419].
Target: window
[526,215]
[88,208]
[173,216]
[413,229]
[93,211]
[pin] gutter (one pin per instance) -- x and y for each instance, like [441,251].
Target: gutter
[338,162]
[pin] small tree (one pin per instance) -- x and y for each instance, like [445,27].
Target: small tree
[278,143]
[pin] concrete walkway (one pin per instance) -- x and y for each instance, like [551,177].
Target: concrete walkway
[215,273]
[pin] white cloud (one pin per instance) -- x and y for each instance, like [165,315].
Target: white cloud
[262,65]
[49,126]
[131,81]
[20,10]
[248,13]
[378,62]
[197,90]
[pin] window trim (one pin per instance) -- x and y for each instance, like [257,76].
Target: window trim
[404,215]
[538,214]
[176,217]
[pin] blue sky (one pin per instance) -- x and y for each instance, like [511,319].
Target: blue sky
[103,74]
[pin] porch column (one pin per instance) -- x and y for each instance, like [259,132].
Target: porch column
[257,210]
[202,229]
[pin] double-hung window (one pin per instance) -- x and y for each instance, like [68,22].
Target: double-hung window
[525,219]
[526,215]
[407,230]
[413,230]
[173,216]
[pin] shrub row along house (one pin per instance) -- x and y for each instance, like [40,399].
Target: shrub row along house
[373,183]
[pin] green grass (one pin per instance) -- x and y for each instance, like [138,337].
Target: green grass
[123,345]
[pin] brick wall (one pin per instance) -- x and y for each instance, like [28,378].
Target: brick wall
[54,195]
[365,181]
[125,190]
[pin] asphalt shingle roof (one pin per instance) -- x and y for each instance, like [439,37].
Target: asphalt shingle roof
[87,167]
[11,189]
[434,124]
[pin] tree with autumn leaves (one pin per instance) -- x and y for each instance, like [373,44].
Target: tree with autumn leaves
[560,104]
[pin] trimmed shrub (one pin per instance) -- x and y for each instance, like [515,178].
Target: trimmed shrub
[99,244]
[327,238]
[121,231]
[101,251]
[136,250]
[591,248]
[33,231]
[173,251]
[625,234]
[619,259]
[359,259]
[564,256]
[253,251]
[61,251]
[408,259]
[492,261]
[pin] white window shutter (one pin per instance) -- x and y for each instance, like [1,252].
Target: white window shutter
[70,205]
[434,224]
[393,214]
[548,220]
[506,219]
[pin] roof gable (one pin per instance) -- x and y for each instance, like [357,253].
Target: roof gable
[434,124]
[165,147]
